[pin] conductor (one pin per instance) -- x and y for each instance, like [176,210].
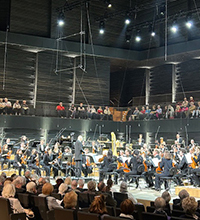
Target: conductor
[78,155]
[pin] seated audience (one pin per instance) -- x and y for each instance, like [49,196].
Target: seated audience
[127,208]
[100,113]
[135,114]
[70,200]
[147,112]
[182,195]
[61,110]
[124,189]
[68,181]
[142,113]
[190,205]
[81,111]
[24,108]
[7,107]
[109,186]
[9,193]
[98,206]
[74,185]
[159,206]
[159,112]
[62,189]
[192,110]
[107,114]
[59,181]
[19,182]
[41,182]
[17,108]
[153,112]
[93,112]
[2,106]
[31,188]
[177,113]
[167,197]
[81,183]
[170,112]
[91,187]
[129,113]
[184,110]
[72,111]
[185,102]
[47,189]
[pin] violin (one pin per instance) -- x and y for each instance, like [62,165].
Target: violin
[158,169]
[9,154]
[24,159]
[102,158]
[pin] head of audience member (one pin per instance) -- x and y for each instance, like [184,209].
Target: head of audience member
[70,200]
[98,205]
[60,103]
[3,174]
[7,181]
[81,183]
[166,196]
[68,181]
[8,191]
[1,100]
[123,187]
[6,99]
[62,188]
[24,102]
[101,186]
[127,207]
[59,181]
[159,203]
[183,194]
[74,184]
[19,182]
[47,189]
[27,174]
[2,180]
[109,185]
[41,181]
[31,187]
[189,205]
[91,186]
[13,176]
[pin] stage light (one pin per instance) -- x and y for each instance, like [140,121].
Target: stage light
[108,3]
[151,30]
[189,24]
[138,38]
[61,19]
[174,28]
[127,21]
[101,27]
[153,33]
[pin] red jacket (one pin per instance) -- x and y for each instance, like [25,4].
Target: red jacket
[60,108]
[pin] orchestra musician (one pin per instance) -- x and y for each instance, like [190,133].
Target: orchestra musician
[86,166]
[46,162]
[181,166]
[135,162]
[140,140]
[41,148]
[78,155]
[18,162]
[94,147]
[34,162]
[166,165]
[5,154]
[196,169]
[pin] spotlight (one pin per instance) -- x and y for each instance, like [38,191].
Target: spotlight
[61,18]
[127,21]
[108,3]
[153,33]
[101,27]
[138,38]
[189,24]
[151,30]
[174,27]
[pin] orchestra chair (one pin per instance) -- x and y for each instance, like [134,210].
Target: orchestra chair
[140,209]
[6,211]
[88,216]
[137,177]
[168,179]
[120,197]
[83,200]
[112,167]
[40,207]
[152,216]
[177,213]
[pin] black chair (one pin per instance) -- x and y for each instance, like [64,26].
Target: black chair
[111,218]
[177,218]
[140,209]
[120,197]
[177,213]
[25,200]
[65,214]
[6,211]
[40,207]
[56,196]
[50,215]
[150,209]
[83,200]
[112,170]
[151,203]
[177,207]
[117,211]
[88,216]
[168,179]
[91,197]
[136,177]
[111,210]
[152,216]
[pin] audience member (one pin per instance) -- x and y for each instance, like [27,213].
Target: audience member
[47,189]
[59,181]
[41,182]
[17,108]
[190,205]
[18,183]
[7,107]
[24,108]
[91,187]
[159,206]
[124,189]
[127,208]
[81,183]
[31,188]
[74,185]
[70,200]
[62,189]
[167,197]
[81,111]
[2,106]
[61,110]
[98,206]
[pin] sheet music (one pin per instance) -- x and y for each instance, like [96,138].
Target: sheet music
[155,161]
[188,158]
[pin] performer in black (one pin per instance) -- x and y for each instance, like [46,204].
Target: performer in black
[34,162]
[46,162]
[86,166]
[18,162]
[135,162]
[41,149]
[105,166]
[5,156]
[78,155]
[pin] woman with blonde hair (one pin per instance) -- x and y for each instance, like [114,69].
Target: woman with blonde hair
[70,200]
[9,193]
[190,205]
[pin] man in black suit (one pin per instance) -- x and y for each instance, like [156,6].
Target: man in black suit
[78,155]
[46,163]
[41,148]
